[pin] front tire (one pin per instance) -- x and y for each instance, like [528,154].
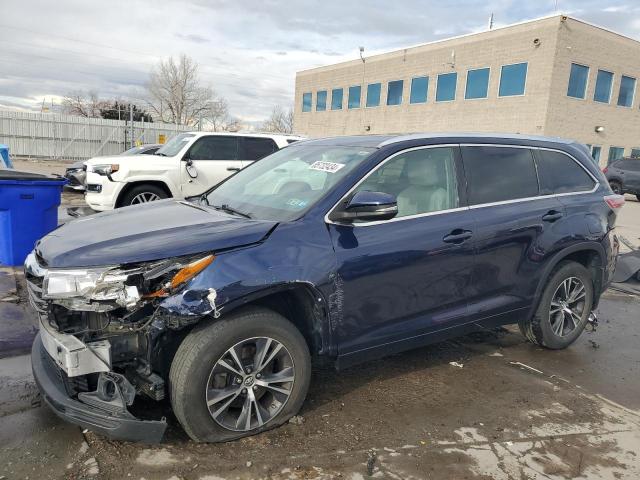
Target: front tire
[239,376]
[564,308]
[143,194]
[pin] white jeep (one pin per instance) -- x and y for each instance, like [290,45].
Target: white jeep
[189,164]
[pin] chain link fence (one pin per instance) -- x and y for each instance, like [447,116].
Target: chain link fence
[68,137]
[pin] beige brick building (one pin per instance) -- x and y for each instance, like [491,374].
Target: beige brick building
[555,76]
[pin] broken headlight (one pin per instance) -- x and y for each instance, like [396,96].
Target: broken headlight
[107,288]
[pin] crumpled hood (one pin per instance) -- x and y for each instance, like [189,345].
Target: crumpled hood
[157,230]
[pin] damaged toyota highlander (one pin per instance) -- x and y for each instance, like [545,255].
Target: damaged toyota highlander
[344,249]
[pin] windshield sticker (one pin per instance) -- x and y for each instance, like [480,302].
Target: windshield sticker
[326,166]
[294,202]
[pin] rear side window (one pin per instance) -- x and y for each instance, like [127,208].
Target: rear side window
[629,165]
[215,148]
[560,174]
[257,148]
[497,174]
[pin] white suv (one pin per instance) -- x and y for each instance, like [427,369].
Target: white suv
[187,165]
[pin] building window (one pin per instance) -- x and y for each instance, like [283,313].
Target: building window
[336,99]
[578,81]
[306,102]
[354,96]
[477,83]
[321,101]
[513,79]
[635,153]
[446,87]
[615,153]
[394,92]
[627,91]
[604,82]
[419,88]
[373,94]
[595,153]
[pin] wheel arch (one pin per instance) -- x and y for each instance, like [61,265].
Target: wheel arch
[130,185]
[589,254]
[303,305]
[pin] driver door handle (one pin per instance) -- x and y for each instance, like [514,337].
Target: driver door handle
[233,169]
[457,236]
[552,216]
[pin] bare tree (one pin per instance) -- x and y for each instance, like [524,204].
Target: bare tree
[219,119]
[178,96]
[83,104]
[280,121]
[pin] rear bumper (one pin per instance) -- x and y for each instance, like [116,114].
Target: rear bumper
[119,427]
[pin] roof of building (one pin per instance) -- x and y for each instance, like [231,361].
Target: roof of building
[402,51]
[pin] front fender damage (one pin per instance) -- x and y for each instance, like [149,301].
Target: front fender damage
[188,307]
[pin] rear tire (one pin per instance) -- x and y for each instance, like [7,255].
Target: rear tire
[616,187]
[143,194]
[564,308]
[202,378]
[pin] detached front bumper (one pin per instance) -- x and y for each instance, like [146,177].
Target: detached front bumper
[49,379]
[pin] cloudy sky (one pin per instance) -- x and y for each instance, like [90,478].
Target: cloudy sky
[248,50]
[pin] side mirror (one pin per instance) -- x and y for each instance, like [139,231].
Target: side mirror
[368,206]
[191,170]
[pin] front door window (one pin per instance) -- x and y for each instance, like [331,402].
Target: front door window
[423,181]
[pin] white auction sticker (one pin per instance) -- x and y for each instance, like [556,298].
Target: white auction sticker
[326,166]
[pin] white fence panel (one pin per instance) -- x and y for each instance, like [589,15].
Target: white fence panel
[67,137]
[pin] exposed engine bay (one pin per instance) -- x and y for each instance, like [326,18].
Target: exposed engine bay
[107,329]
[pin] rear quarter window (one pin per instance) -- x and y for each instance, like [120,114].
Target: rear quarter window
[256,148]
[497,174]
[559,173]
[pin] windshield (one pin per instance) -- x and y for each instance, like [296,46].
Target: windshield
[287,183]
[132,151]
[173,146]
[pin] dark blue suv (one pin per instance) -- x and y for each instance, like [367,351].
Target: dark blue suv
[347,248]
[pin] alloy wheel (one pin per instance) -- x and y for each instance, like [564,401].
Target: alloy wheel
[567,306]
[144,197]
[616,188]
[250,384]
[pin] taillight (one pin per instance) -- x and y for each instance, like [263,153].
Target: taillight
[614,201]
[605,169]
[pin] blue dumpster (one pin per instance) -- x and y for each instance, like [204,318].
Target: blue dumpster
[5,159]
[28,211]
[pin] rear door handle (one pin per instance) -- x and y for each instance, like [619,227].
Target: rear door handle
[457,236]
[233,169]
[552,216]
